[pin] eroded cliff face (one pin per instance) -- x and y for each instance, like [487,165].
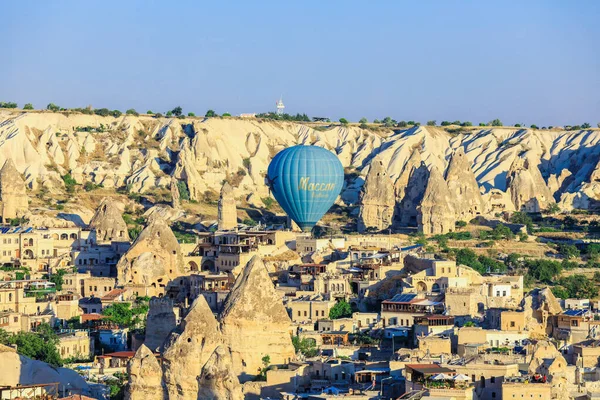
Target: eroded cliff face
[153,259]
[188,348]
[378,200]
[436,213]
[217,381]
[145,376]
[255,323]
[463,189]
[13,194]
[144,153]
[107,222]
[207,358]
[527,187]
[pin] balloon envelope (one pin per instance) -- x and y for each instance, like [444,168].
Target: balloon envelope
[305,181]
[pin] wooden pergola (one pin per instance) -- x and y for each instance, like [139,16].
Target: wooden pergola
[337,338]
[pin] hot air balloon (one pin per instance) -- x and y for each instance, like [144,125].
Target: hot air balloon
[305,181]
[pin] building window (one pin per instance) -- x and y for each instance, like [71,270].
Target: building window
[493,379]
[512,324]
[504,293]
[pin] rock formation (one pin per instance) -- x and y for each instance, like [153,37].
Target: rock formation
[217,380]
[18,370]
[463,187]
[161,320]
[175,195]
[153,259]
[377,200]
[107,222]
[145,377]
[188,348]
[436,214]
[538,305]
[13,195]
[227,212]
[413,194]
[255,323]
[527,187]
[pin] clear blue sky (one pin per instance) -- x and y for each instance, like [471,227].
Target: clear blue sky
[520,61]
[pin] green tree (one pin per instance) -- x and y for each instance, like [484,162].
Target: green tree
[57,278]
[41,344]
[445,123]
[466,123]
[501,231]
[69,182]
[169,113]
[132,111]
[52,107]
[560,292]
[116,113]
[496,122]
[8,104]
[191,114]
[592,250]
[28,106]
[177,111]
[543,270]
[460,224]
[482,124]
[534,126]
[579,286]
[340,310]
[585,125]
[343,121]
[226,114]
[119,313]
[523,219]
[402,124]
[210,113]
[304,346]
[184,193]
[149,112]
[103,112]
[363,120]
[388,122]
[431,123]
[553,208]
[568,251]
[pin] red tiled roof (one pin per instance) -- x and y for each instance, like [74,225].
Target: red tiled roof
[91,317]
[113,294]
[119,354]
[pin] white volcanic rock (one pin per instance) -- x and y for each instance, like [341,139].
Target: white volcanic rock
[255,323]
[217,380]
[145,376]
[463,188]
[527,186]
[187,350]
[377,200]
[436,213]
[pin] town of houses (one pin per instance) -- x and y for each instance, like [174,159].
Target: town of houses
[418,326]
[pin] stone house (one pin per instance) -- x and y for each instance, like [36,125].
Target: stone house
[77,344]
[435,345]
[309,309]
